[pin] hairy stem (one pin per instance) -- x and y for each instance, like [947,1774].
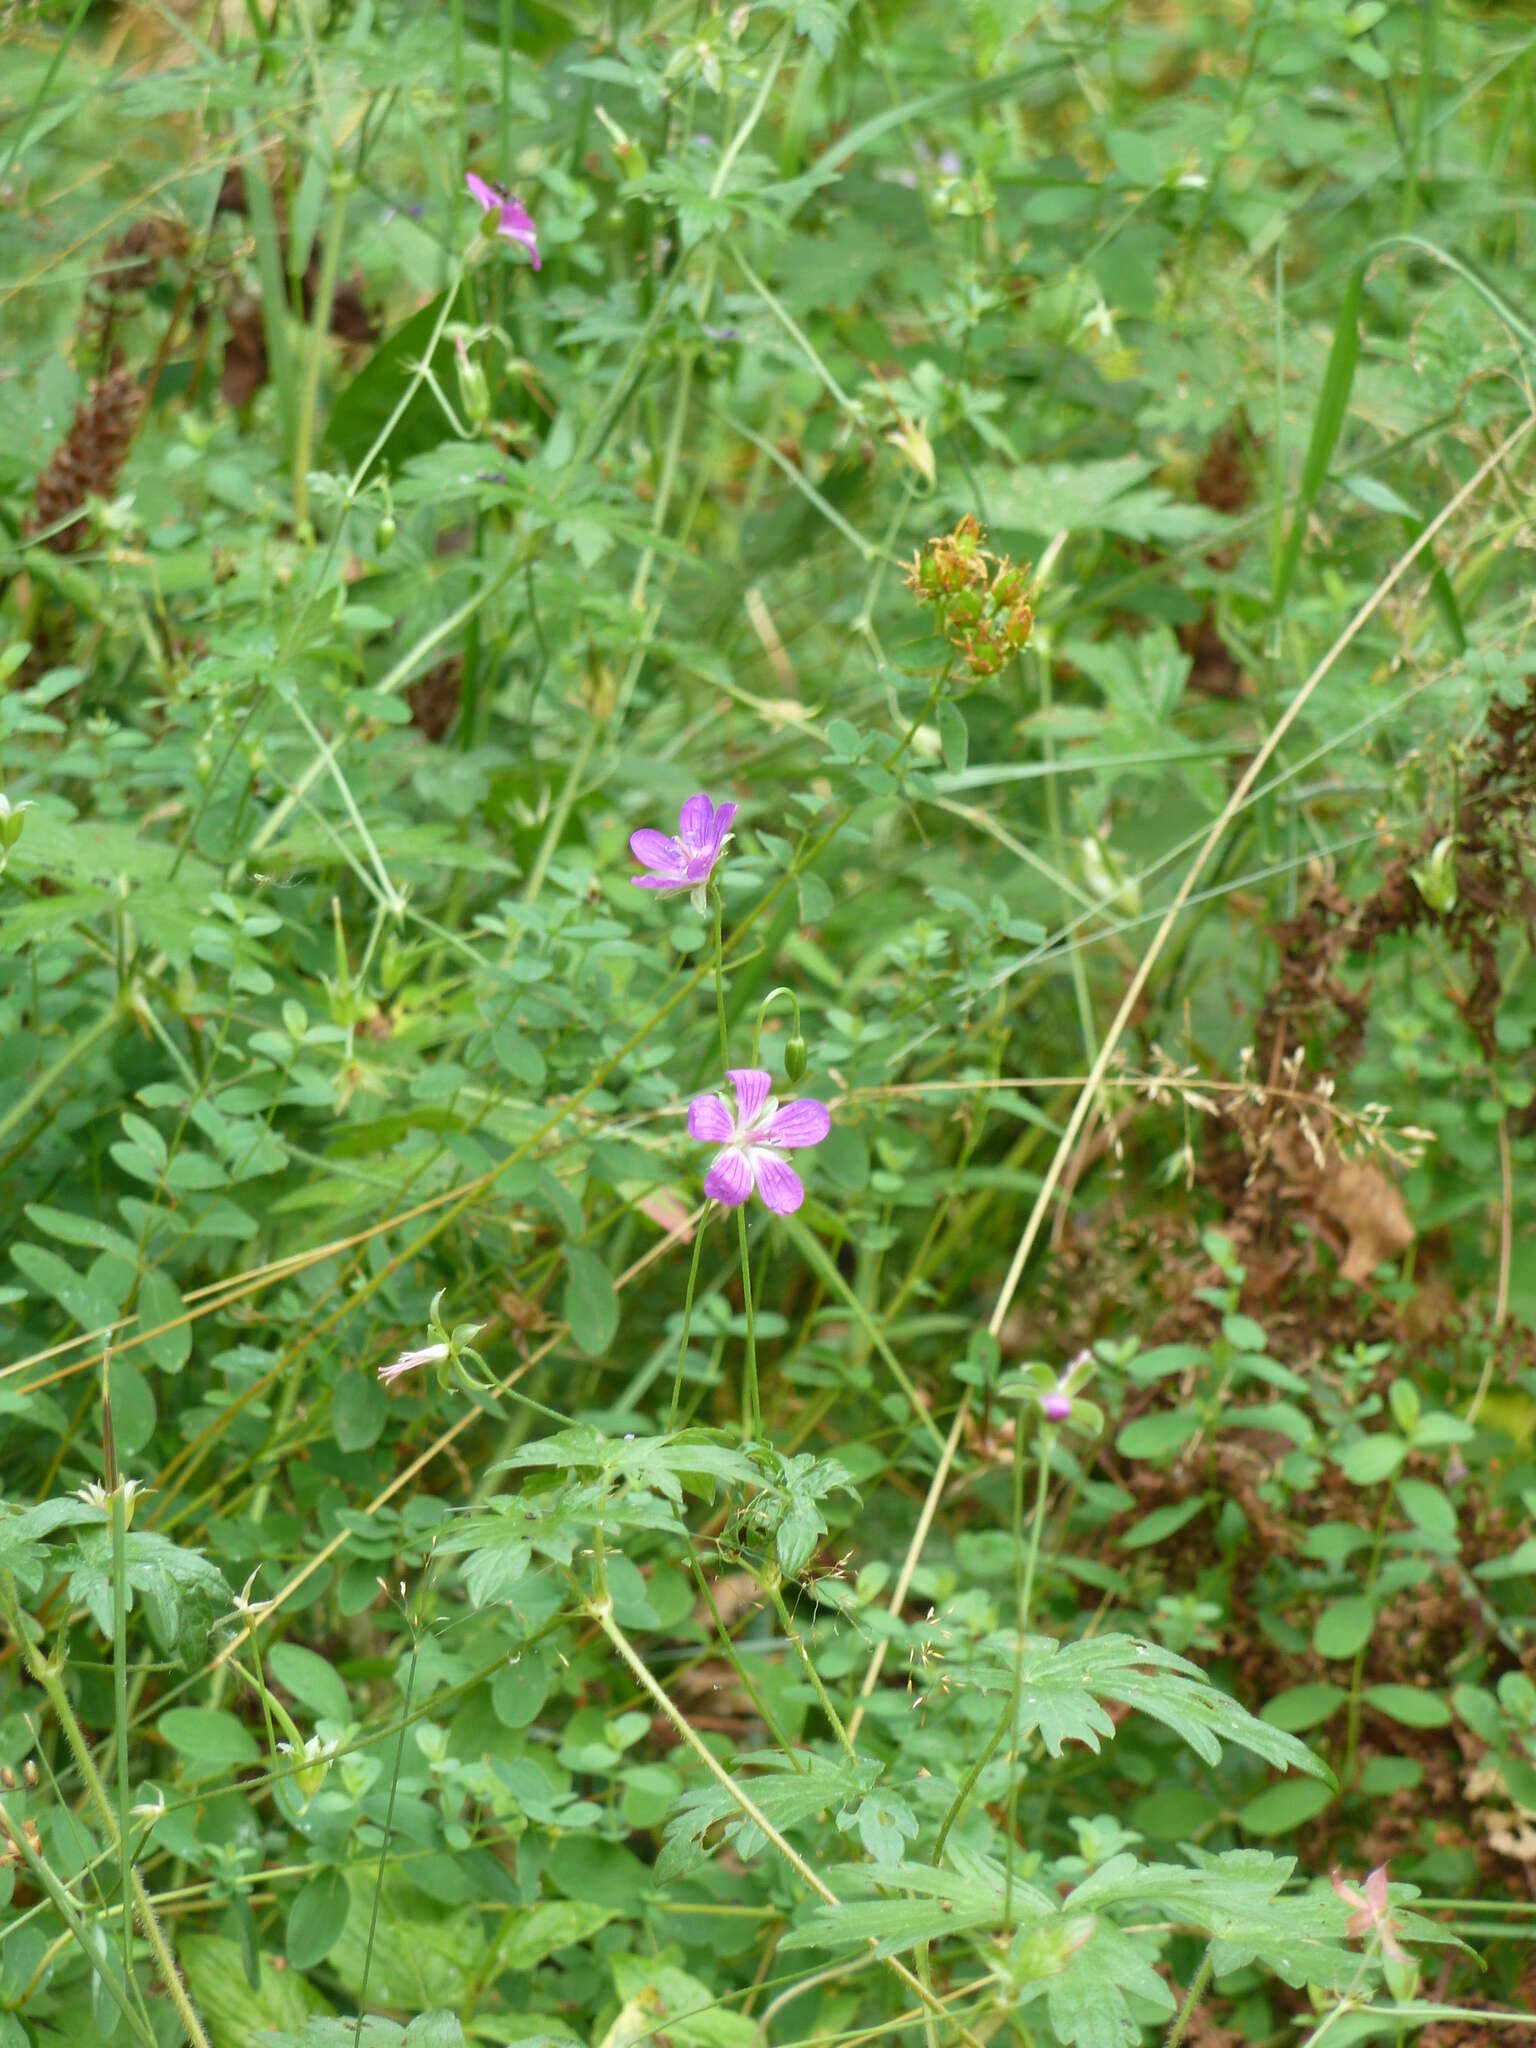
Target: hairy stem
[1192,1998]
[47,1673]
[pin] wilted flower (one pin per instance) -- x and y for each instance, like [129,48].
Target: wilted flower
[446,1346]
[427,1354]
[513,221]
[1371,1916]
[685,863]
[753,1141]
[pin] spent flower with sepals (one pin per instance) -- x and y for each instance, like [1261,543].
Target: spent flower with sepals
[682,864]
[504,214]
[447,1348]
[754,1139]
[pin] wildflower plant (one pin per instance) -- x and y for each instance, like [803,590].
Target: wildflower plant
[887,1559]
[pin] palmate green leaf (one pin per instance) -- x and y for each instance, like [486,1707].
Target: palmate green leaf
[24,1533]
[183,1593]
[694,1457]
[430,2030]
[1108,496]
[786,1789]
[1062,1684]
[1089,2001]
[972,1895]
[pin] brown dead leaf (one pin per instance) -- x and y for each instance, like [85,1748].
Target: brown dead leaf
[1515,1838]
[1365,1203]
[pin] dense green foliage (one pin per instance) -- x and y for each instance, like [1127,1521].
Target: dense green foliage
[1060,471]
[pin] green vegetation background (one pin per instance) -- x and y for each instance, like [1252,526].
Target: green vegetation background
[1137,1523]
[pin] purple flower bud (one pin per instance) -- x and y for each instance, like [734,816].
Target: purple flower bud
[1056,1406]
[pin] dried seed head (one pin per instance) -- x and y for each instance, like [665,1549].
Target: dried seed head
[88,461]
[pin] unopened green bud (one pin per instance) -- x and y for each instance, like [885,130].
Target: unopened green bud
[1435,878]
[795,1057]
[474,391]
[1009,585]
[384,533]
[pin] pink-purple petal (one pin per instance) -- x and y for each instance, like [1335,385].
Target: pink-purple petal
[517,226]
[752,1087]
[658,851]
[664,885]
[729,1180]
[695,824]
[710,1120]
[805,1122]
[485,195]
[779,1185]
[721,826]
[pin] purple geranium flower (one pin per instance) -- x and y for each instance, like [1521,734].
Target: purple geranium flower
[753,1141]
[513,221]
[686,862]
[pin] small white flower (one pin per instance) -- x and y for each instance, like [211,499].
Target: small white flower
[96,1496]
[314,1762]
